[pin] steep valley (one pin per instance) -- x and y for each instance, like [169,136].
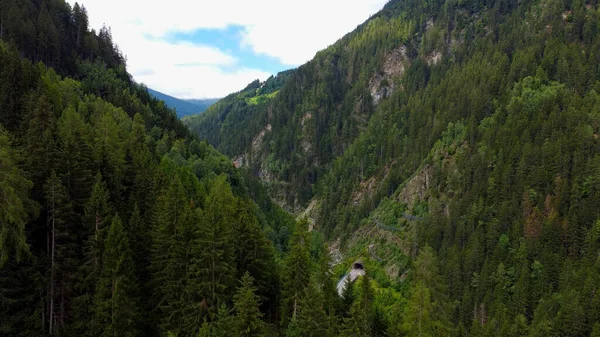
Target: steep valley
[435,172]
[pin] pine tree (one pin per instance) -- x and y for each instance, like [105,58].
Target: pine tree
[366,302]
[296,272]
[356,325]
[192,303]
[40,143]
[80,22]
[347,299]
[14,193]
[248,318]
[417,314]
[519,327]
[169,263]
[96,221]
[62,250]
[139,238]
[169,210]
[311,319]
[224,323]
[75,157]
[143,185]
[331,299]
[433,286]
[253,251]
[48,44]
[214,258]
[324,279]
[109,155]
[115,304]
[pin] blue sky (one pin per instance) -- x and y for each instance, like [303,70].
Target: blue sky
[203,49]
[229,40]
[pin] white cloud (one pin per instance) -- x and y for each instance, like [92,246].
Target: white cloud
[291,31]
[199,81]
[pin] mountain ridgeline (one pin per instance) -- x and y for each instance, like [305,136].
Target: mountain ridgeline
[453,144]
[243,112]
[183,107]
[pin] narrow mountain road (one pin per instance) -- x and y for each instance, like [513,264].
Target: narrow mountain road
[356,271]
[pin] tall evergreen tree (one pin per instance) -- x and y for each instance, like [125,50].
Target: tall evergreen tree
[418,312]
[253,251]
[224,323]
[143,189]
[138,233]
[324,280]
[357,324]
[168,261]
[14,193]
[61,250]
[296,272]
[75,157]
[40,143]
[215,255]
[366,302]
[311,319]
[96,222]
[248,318]
[116,303]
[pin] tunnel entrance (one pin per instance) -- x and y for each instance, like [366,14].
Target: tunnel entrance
[358,265]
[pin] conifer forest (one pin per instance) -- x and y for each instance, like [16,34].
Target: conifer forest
[435,172]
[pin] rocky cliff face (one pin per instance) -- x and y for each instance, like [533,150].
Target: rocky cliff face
[384,82]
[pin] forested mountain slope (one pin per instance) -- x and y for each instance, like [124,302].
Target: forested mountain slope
[450,148]
[114,220]
[183,107]
[459,141]
[243,112]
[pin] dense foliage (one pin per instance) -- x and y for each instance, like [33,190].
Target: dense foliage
[452,148]
[113,219]
[474,171]
[244,111]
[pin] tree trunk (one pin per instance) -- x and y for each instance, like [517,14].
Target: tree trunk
[295,307]
[51,313]
[62,305]
[97,243]
[78,33]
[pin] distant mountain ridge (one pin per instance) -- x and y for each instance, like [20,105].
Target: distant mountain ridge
[184,107]
[205,103]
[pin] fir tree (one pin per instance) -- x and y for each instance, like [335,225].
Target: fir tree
[324,279]
[248,318]
[14,193]
[224,323]
[62,251]
[169,260]
[311,319]
[116,303]
[417,314]
[214,253]
[356,325]
[347,299]
[296,272]
[96,221]
[75,157]
[366,302]
[253,252]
